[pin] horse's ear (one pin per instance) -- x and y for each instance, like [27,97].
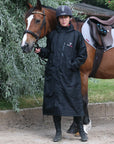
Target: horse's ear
[29,5]
[39,6]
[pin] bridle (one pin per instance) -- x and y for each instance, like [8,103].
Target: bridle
[39,32]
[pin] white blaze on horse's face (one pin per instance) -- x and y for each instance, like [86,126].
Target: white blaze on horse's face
[29,20]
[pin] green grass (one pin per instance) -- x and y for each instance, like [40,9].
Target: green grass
[30,101]
[24,102]
[5,105]
[99,91]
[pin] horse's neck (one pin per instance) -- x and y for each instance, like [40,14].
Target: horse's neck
[77,25]
[51,21]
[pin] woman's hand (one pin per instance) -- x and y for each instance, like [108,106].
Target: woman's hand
[37,50]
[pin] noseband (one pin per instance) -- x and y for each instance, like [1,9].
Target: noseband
[39,32]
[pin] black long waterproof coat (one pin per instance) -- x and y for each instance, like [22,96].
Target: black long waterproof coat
[66,52]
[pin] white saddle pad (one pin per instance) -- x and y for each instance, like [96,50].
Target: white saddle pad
[87,36]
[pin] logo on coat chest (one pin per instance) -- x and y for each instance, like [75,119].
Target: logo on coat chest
[69,44]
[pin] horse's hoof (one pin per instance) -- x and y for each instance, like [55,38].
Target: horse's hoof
[77,134]
[73,129]
[87,127]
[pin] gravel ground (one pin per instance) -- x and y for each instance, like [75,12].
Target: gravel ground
[102,132]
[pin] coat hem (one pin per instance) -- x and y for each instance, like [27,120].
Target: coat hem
[67,115]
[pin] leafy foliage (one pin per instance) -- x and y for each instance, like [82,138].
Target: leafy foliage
[99,3]
[20,74]
[110,4]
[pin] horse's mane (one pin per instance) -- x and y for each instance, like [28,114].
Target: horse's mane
[48,7]
[29,12]
[35,8]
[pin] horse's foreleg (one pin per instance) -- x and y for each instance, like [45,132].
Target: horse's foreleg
[84,90]
[86,120]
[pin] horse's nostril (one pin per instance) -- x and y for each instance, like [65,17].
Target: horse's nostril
[24,46]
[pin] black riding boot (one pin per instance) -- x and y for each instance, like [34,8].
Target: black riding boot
[79,122]
[57,123]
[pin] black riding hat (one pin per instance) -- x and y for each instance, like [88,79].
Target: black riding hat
[63,10]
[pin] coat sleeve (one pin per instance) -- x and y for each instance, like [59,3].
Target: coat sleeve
[44,53]
[81,53]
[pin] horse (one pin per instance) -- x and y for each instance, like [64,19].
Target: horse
[40,21]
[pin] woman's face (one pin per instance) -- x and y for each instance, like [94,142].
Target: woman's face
[64,20]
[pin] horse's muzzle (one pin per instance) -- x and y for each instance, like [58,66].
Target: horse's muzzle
[26,48]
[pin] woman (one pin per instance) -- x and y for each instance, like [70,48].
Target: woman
[66,52]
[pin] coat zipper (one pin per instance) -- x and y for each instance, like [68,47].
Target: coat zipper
[63,49]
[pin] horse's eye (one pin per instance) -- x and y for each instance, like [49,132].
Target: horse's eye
[37,21]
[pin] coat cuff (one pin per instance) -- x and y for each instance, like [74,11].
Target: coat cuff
[74,66]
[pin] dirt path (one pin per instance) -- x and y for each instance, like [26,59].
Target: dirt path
[102,132]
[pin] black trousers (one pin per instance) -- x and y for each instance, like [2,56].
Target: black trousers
[57,121]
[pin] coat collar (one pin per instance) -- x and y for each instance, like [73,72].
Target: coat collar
[60,29]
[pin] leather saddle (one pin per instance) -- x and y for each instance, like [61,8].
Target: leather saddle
[100,31]
[109,22]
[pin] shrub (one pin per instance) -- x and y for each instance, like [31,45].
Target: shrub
[20,74]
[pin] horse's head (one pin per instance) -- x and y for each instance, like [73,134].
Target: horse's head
[37,26]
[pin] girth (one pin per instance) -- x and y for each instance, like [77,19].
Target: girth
[101,34]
